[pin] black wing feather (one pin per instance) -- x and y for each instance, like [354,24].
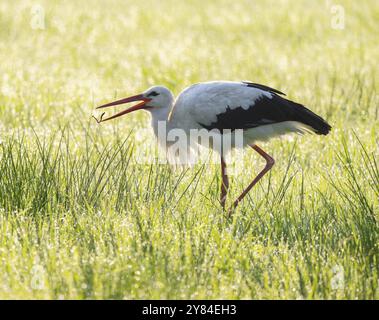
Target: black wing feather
[265,111]
[262,87]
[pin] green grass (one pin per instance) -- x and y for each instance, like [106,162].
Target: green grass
[81,218]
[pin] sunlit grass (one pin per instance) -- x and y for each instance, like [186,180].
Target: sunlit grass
[81,218]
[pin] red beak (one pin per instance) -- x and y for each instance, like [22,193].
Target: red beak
[139,106]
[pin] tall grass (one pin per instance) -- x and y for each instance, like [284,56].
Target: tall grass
[124,230]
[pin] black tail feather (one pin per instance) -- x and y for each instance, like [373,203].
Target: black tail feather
[306,116]
[297,112]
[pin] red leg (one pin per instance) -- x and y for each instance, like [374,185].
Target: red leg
[224,183]
[269,163]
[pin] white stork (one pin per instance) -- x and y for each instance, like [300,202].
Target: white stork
[260,111]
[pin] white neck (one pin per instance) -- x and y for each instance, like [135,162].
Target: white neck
[158,115]
[160,111]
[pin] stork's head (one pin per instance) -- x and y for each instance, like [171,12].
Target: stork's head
[153,99]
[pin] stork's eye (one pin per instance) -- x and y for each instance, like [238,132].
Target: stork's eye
[153,94]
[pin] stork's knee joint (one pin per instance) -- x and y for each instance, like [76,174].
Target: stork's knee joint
[270,162]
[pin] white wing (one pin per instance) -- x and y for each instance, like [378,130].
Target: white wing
[202,102]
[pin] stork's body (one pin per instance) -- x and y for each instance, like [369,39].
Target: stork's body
[224,106]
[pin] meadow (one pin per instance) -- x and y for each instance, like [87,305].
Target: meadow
[82,218]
